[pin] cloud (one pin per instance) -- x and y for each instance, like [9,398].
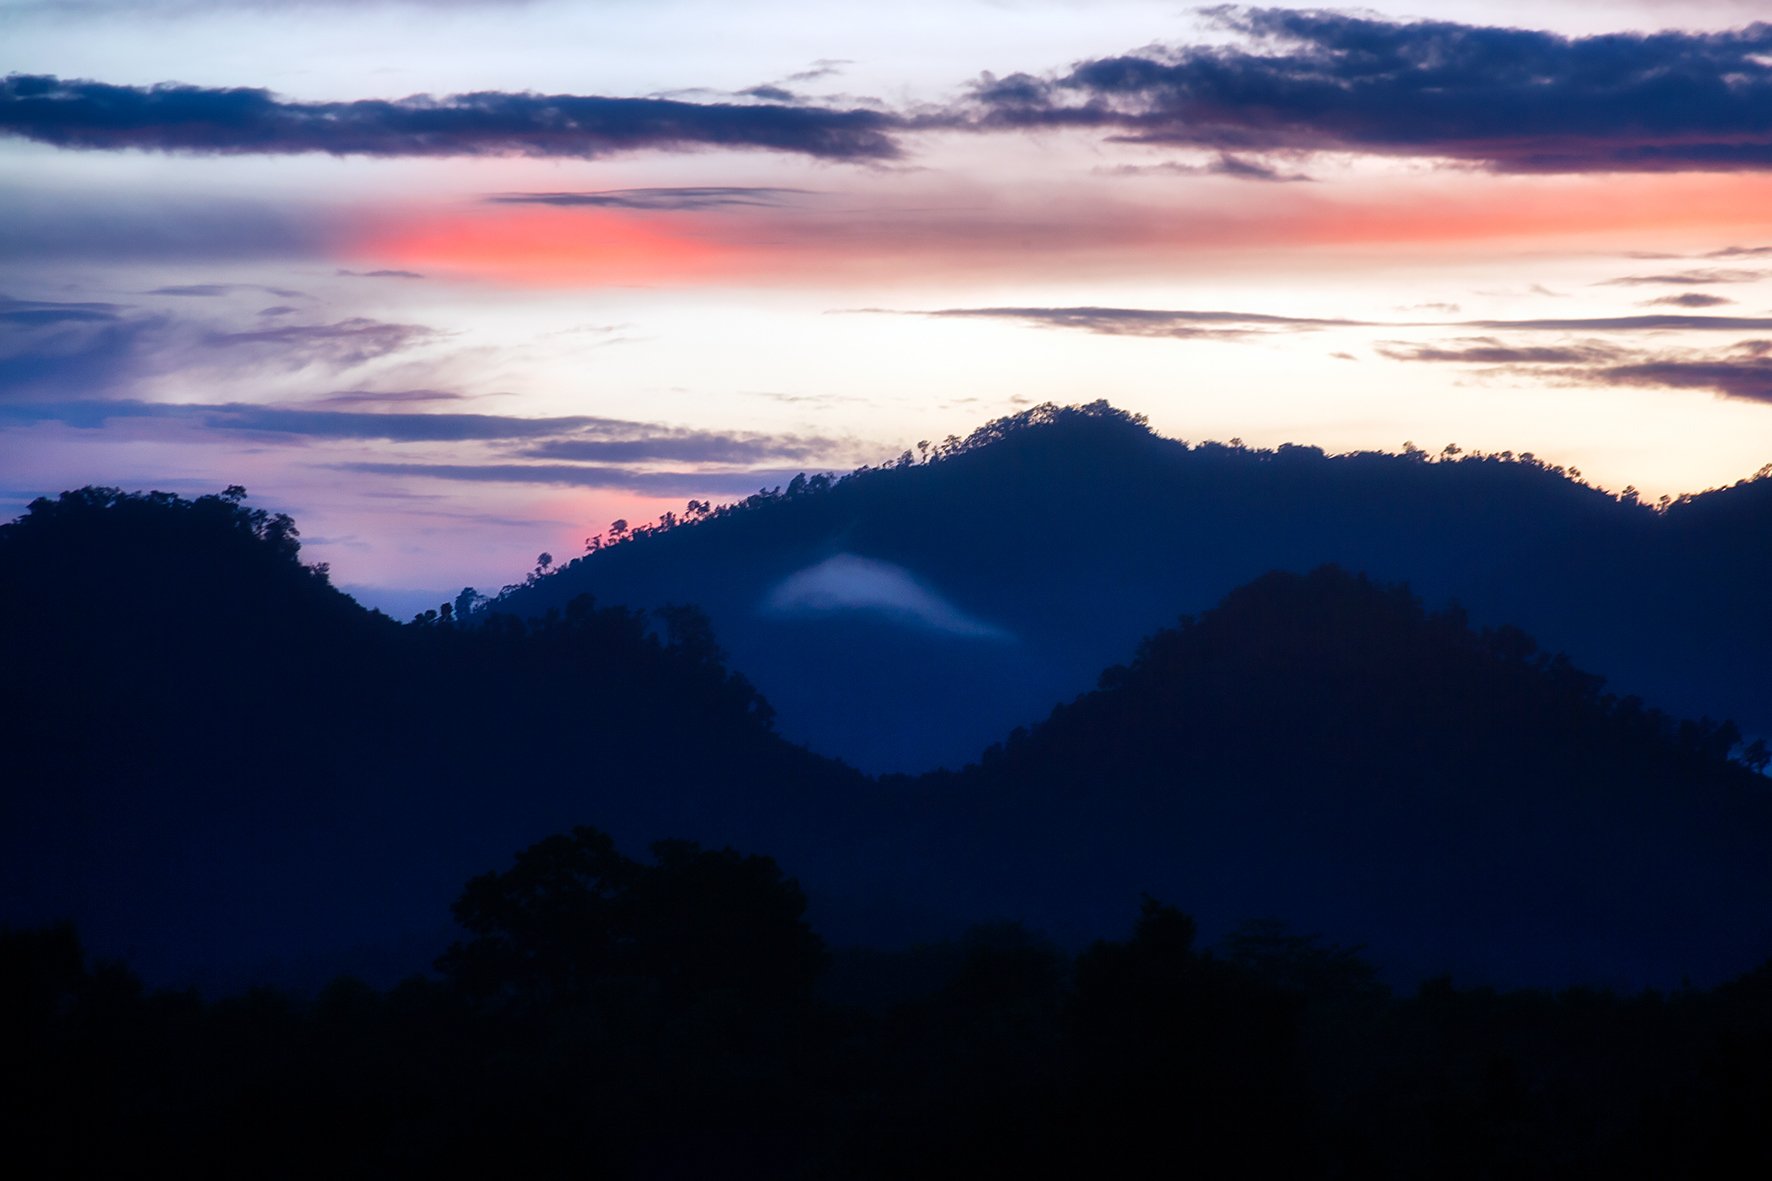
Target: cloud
[823,67]
[1688,299]
[296,420]
[341,345]
[69,351]
[685,447]
[52,349]
[171,117]
[575,438]
[384,274]
[1230,325]
[388,397]
[1696,278]
[1235,167]
[768,93]
[1490,351]
[671,199]
[651,483]
[1654,322]
[1744,372]
[1741,252]
[1148,322]
[1746,376]
[847,584]
[43,312]
[1512,100]
[210,290]
[194,289]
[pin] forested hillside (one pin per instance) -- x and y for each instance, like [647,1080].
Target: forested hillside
[906,616]
[216,761]
[1321,749]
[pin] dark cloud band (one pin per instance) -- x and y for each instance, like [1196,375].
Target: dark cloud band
[1747,377]
[177,118]
[1514,100]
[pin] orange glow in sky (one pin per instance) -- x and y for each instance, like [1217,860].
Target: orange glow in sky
[547,247]
[1491,208]
[544,247]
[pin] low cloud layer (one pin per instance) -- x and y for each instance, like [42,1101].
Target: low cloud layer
[848,584]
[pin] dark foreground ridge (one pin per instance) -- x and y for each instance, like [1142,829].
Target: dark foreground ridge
[225,771]
[1320,748]
[906,616]
[679,1018]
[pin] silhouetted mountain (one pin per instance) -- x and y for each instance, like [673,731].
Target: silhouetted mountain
[217,760]
[905,616]
[1321,749]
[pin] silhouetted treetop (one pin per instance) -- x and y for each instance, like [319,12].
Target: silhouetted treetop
[574,916]
[161,545]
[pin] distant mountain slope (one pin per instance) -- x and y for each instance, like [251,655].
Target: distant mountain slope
[1321,749]
[1061,536]
[216,761]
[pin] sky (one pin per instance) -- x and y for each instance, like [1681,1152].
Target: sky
[455,282]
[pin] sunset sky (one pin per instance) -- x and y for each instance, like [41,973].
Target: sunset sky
[455,282]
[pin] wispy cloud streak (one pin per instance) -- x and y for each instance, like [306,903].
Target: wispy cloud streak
[1702,277]
[654,483]
[672,200]
[1190,324]
[1151,322]
[574,438]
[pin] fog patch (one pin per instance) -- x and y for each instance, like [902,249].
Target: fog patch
[847,583]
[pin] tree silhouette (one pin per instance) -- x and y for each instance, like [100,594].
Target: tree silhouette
[574,916]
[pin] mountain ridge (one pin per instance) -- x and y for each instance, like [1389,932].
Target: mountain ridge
[1077,531]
